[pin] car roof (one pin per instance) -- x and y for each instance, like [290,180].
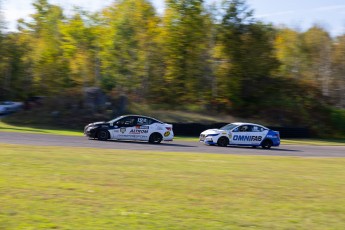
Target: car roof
[246,123]
[138,115]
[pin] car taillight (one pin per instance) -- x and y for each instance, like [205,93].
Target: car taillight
[168,128]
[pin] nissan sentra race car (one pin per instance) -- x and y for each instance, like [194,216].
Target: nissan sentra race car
[131,127]
[239,133]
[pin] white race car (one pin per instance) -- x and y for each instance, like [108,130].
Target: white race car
[239,133]
[131,127]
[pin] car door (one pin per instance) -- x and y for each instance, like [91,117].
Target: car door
[242,135]
[258,134]
[122,128]
[143,128]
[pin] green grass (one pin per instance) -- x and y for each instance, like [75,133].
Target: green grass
[27,129]
[319,142]
[81,188]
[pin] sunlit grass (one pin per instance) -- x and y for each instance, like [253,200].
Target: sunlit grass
[80,188]
[319,142]
[27,129]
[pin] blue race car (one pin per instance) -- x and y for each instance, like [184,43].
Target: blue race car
[240,133]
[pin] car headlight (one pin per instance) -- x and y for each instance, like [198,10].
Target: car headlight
[212,135]
[90,128]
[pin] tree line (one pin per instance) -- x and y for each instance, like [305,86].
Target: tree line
[218,56]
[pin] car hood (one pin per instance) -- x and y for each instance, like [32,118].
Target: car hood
[97,123]
[213,131]
[100,123]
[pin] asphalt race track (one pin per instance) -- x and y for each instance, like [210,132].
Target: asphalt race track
[175,146]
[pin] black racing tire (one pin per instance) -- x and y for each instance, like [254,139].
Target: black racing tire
[223,141]
[155,138]
[266,144]
[103,135]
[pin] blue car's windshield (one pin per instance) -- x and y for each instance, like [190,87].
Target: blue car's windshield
[228,127]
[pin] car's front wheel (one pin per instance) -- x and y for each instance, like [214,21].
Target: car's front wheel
[266,144]
[103,135]
[155,138]
[223,142]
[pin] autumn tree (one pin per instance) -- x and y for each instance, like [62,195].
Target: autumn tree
[13,81]
[338,67]
[317,45]
[78,50]
[248,45]
[128,45]
[48,69]
[184,37]
[306,56]
[289,51]
[2,61]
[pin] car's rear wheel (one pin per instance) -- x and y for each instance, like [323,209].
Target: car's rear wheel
[103,135]
[155,138]
[223,142]
[266,144]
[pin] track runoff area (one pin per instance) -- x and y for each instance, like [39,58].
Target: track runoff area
[174,146]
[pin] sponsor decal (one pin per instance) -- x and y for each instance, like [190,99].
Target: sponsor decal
[142,120]
[247,138]
[122,130]
[142,127]
[167,133]
[135,136]
[230,135]
[138,131]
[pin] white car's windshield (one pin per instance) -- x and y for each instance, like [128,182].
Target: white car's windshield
[228,127]
[150,120]
[115,119]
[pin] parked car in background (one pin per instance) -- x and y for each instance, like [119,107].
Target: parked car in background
[10,106]
[240,133]
[131,127]
[3,110]
[33,102]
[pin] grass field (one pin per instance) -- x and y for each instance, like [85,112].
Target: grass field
[80,188]
[27,129]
